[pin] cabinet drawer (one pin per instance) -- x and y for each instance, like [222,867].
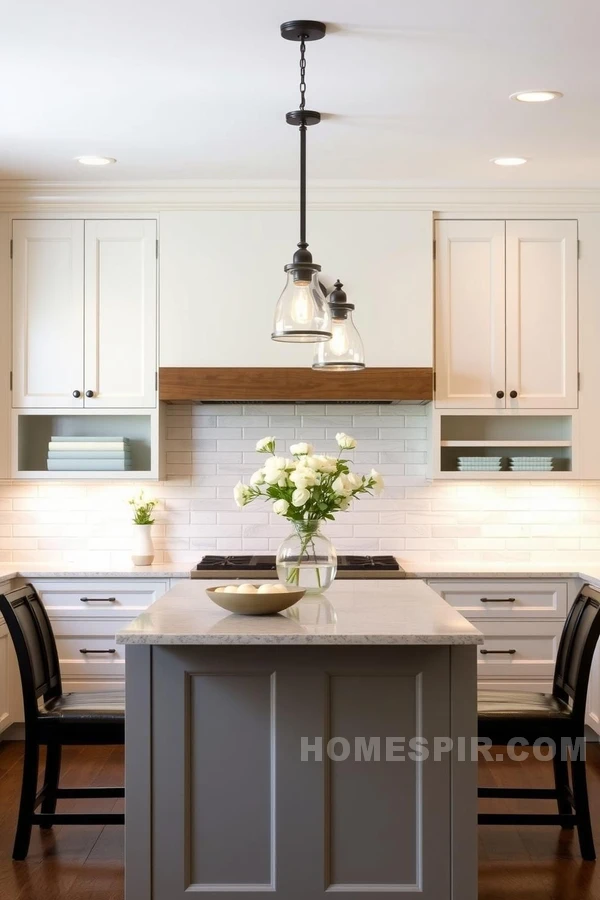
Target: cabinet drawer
[518,649]
[496,598]
[90,655]
[74,634]
[89,596]
[109,680]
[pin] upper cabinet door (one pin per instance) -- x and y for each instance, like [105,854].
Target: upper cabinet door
[470,324]
[541,314]
[47,313]
[120,313]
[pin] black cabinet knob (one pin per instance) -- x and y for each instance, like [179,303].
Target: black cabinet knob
[499,394]
[77,394]
[513,394]
[89,393]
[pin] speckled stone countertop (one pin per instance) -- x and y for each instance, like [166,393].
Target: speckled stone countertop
[68,570]
[351,612]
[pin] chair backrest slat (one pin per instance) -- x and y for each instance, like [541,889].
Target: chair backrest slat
[576,650]
[35,646]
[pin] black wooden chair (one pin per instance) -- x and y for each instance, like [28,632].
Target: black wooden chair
[560,717]
[54,719]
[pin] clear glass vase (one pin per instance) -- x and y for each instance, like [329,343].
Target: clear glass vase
[306,558]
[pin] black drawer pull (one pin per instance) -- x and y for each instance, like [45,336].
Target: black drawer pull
[98,599]
[83,650]
[485,652]
[497,599]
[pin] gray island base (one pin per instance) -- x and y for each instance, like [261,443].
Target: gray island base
[323,750]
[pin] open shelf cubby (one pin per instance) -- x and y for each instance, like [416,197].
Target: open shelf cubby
[33,433]
[506,436]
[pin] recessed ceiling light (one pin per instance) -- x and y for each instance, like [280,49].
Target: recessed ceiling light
[95,160]
[509,160]
[535,96]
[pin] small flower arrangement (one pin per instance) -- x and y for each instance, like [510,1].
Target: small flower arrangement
[142,509]
[309,486]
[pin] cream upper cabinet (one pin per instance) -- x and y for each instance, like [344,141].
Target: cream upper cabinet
[47,313]
[84,313]
[541,314]
[506,314]
[120,313]
[470,321]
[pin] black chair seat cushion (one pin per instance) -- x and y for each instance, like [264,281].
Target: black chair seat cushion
[79,708]
[520,705]
[506,715]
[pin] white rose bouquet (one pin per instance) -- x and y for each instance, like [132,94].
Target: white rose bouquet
[307,487]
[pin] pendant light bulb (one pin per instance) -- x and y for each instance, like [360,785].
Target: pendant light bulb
[340,341]
[344,352]
[302,314]
[302,304]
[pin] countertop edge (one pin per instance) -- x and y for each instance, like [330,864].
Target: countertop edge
[153,572]
[202,640]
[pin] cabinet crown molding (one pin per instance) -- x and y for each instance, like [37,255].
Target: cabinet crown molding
[153,196]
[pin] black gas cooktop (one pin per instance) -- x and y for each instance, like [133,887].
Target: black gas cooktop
[263,566]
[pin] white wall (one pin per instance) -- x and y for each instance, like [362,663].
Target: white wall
[222,272]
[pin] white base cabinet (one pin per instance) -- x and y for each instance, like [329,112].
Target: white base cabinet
[86,614]
[592,717]
[522,622]
[9,685]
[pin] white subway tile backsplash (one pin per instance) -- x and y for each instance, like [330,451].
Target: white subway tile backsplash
[209,448]
[333,421]
[273,410]
[176,434]
[250,421]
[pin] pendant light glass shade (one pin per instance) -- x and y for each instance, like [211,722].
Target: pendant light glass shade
[302,314]
[345,351]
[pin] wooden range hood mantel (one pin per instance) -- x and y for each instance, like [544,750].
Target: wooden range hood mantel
[204,385]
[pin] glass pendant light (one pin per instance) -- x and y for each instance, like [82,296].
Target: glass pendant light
[344,352]
[302,314]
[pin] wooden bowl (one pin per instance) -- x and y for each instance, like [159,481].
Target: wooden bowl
[255,604]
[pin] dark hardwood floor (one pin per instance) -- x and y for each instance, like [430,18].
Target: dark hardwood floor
[86,862]
[82,862]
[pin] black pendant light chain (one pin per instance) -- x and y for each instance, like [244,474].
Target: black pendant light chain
[302,75]
[303,146]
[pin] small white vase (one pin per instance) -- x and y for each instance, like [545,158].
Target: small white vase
[143,548]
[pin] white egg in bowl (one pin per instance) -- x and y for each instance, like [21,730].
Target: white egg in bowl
[272,587]
[249,599]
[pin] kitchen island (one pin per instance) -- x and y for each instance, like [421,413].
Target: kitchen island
[325,749]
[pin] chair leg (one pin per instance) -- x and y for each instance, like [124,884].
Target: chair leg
[28,795]
[51,778]
[561,783]
[582,809]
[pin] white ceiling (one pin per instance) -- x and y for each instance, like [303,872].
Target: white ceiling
[414,92]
